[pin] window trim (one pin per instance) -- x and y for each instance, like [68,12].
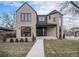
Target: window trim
[41,19]
[25,32]
[24,16]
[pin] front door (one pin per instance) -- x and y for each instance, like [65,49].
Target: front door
[41,31]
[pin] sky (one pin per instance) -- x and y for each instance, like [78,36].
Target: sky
[41,7]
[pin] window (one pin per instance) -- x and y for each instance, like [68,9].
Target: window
[26,17]
[25,31]
[41,18]
[49,17]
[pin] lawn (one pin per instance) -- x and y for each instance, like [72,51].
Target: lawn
[15,49]
[61,48]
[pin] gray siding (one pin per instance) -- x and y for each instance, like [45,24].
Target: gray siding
[41,20]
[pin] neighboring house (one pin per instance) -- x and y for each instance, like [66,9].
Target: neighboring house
[69,33]
[74,31]
[6,33]
[28,23]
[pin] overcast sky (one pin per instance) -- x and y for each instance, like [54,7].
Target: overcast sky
[42,7]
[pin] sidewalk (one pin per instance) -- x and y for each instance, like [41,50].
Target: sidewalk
[37,50]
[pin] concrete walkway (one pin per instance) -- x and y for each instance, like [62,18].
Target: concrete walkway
[37,50]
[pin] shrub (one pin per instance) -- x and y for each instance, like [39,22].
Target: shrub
[21,40]
[26,40]
[4,40]
[17,40]
[11,40]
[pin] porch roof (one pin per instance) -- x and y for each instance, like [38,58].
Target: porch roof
[46,25]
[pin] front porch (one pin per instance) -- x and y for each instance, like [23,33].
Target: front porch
[46,31]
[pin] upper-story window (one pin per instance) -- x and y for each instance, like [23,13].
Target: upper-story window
[26,17]
[41,19]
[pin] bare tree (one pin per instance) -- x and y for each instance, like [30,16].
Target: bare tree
[8,19]
[74,7]
[75,4]
[71,7]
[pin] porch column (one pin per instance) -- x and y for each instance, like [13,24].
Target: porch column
[61,27]
[57,31]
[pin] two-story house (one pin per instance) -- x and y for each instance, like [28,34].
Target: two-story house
[28,23]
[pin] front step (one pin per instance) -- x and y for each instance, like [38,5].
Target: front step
[48,38]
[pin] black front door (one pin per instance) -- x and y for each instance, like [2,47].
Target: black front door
[41,31]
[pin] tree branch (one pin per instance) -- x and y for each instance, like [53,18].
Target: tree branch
[74,4]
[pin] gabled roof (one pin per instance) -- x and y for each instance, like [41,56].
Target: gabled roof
[28,5]
[54,12]
[74,28]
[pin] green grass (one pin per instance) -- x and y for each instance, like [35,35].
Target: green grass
[14,49]
[61,48]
